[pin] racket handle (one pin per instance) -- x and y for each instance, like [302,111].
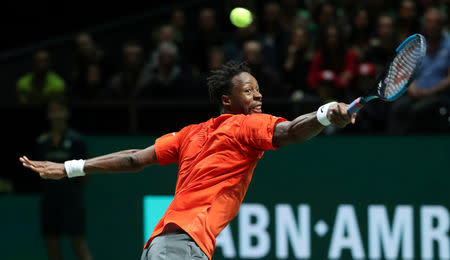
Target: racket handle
[355,106]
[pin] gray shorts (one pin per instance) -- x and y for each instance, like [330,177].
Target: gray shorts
[173,246]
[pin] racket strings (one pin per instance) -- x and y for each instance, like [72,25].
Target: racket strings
[403,67]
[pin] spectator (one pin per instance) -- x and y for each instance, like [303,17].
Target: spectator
[233,46]
[166,79]
[207,35]
[360,32]
[380,52]
[382,47]
[419,110]
[164,33]
[129,80]
[288,14]
[273,36]
[183,36]
[323,14]
[297,63]
[333,67]
[377,8]
[270,80]
[216,58]
[346,12]
[408,22]
[178,23]
[62,205]
[88,75]
[41,84]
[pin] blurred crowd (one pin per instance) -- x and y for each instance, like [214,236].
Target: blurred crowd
[311,51]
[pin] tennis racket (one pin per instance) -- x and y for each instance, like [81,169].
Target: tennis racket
[396,77]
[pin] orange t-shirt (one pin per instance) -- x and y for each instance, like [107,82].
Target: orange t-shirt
[216,162]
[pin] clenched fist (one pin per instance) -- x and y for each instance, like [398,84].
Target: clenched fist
[338,116]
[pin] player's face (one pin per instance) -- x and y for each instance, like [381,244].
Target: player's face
[245,97]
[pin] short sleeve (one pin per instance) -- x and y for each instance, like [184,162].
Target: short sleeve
[167,148]
[257,130]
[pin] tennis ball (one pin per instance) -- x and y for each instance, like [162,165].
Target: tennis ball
[241,17]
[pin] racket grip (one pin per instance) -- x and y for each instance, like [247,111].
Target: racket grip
[355,106]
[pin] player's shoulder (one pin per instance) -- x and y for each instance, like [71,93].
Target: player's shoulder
[245,117]
[259,120]
[262,116]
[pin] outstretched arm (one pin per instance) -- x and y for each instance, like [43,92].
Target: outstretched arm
[307,126]
[123,161]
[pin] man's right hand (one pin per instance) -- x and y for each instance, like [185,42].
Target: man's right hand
[338,116]
[46,169]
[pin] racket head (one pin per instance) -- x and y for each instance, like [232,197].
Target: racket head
[403,68]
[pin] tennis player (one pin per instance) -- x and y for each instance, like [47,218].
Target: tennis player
[216,161]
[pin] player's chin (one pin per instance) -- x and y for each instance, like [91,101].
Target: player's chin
[255,111]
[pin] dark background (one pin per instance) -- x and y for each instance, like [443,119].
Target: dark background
[32,21]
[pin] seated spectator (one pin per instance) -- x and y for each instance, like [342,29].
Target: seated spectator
[418,111]
[333,67]
[216,58]
[129,80]
[233,46]
[164,33]
[273,36]
[360,32]
[297,63]
[380,7]
[408,20]
[178,23]
[382,47]
[166,79]
[288,13]
[38,86]
[88,75]
[323,14]
[268,77]
[206,35]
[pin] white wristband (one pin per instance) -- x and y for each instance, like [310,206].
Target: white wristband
[322,114]
[74,168]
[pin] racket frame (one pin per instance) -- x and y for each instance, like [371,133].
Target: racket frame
[358,103]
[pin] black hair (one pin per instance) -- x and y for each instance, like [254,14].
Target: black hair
[219,82]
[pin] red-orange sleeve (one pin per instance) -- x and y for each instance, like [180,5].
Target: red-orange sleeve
[257,130]
[167,147]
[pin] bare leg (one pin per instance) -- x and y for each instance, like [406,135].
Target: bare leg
[54,250]
[79,245]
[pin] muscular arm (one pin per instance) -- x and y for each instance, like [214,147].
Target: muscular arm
[307,126]
[298,130]
[123,161]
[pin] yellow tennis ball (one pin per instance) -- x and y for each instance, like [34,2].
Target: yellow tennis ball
[241,17]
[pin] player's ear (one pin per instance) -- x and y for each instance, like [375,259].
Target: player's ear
[226,101]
